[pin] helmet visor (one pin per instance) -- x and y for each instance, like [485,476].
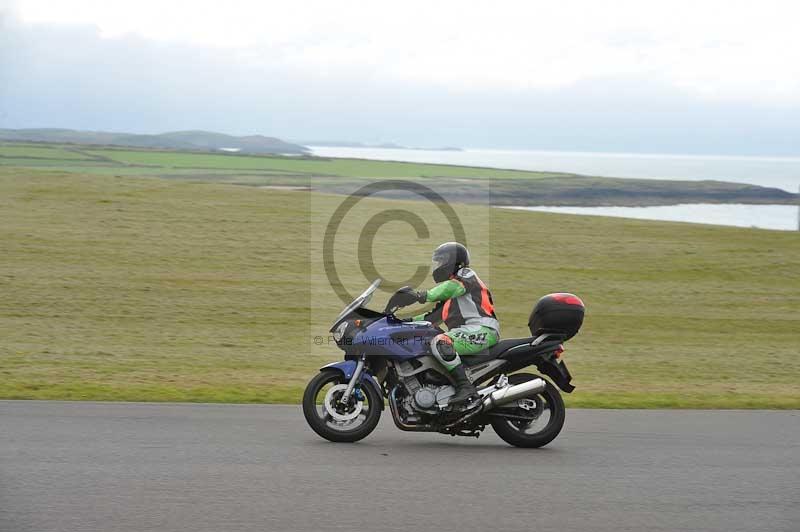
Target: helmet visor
[442,257]
[444,263]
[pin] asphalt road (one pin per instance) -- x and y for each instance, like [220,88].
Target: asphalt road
[219,468]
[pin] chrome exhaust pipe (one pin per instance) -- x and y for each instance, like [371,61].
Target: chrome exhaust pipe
[510,393]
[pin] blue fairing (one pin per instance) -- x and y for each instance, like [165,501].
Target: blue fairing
[386,337]
[395,339]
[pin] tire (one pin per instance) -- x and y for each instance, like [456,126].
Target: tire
[515,434]
[328,428]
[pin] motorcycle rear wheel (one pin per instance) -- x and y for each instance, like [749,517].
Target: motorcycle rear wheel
[365,411]
[518,433]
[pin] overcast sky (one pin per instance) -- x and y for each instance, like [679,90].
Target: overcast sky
[644,76]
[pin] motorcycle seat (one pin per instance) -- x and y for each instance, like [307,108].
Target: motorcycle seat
[495,351]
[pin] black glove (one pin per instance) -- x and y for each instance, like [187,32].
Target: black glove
[407,296]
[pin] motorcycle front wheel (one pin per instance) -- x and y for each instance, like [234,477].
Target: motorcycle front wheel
[336,421]
[533,422]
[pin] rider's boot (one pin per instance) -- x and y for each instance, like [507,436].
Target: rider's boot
[466,393]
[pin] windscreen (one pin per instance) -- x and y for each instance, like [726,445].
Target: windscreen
[360,301]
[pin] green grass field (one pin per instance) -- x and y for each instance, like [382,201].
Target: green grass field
[150,289]
[39,152]
[335,175]
[166,161]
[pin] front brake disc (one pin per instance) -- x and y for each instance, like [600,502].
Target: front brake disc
[331,401]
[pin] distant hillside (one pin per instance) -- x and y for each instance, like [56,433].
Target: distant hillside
[384,145]
[177,140]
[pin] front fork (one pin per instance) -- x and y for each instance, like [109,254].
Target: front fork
[345,398]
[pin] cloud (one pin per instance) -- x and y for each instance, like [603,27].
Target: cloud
[715,49]
[348,74]
[7,22]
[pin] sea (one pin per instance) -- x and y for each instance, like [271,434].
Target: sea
[776,172]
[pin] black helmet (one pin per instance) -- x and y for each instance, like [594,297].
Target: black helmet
[448,259]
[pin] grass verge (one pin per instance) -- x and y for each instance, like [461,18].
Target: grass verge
[155,290]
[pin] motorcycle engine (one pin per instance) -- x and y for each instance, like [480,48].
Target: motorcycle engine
[425,397]
[430,397]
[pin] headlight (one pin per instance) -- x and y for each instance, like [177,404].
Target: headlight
[338,334]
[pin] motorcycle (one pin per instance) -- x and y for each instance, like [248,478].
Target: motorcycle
[388,357]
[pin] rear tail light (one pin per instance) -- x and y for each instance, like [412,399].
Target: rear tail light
[567,299]
[558,351]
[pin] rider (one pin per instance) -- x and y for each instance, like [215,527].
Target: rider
[464,305]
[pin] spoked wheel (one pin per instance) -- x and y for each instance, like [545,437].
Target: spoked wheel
[534,421]
[334,420]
